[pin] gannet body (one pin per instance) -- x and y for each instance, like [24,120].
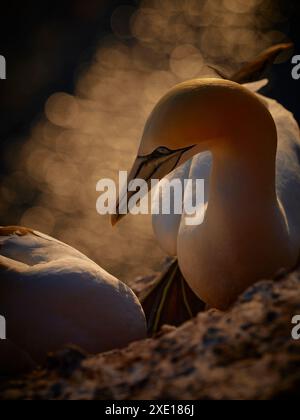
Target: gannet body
[52,296]
[246,148]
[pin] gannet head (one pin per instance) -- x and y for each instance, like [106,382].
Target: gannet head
[193,117]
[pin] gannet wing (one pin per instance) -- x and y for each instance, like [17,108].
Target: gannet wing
[31,247]
[166,226]
[288,166]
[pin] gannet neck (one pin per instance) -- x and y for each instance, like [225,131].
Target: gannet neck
[245,235]
[244,171]
[243,203]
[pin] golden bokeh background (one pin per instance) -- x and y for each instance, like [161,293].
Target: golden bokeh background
[95,132]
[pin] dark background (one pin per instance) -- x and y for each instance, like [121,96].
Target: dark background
[63,35]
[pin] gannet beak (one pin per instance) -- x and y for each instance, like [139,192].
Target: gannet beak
[114,219]
[147,168]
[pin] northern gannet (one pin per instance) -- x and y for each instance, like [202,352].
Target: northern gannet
[246,147]
[51,296]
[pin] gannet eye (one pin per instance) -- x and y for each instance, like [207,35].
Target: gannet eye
[163,151]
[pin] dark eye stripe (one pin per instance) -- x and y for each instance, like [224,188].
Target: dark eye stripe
[163,151]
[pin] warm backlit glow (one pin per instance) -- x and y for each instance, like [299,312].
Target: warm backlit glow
[95,133]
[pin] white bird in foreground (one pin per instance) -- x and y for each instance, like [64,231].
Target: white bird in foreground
[52,296]
[251,228]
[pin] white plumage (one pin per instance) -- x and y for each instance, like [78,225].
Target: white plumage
[246,147]
[52,296]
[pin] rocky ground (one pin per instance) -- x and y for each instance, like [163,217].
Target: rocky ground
[247,353]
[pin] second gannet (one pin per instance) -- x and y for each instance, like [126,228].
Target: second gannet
[52,296]
[251,228]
